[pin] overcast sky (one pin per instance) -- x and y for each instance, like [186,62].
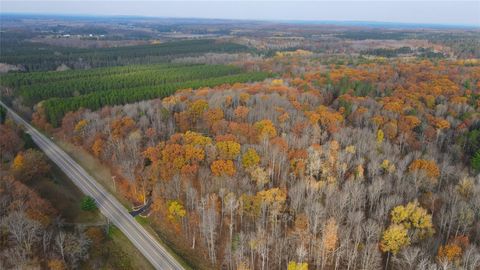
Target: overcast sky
[437,12]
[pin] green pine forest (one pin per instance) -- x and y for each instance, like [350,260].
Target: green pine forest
[120,75]
[41,57]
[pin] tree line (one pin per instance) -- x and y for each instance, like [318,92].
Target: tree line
[56,108]
[45,57]
[143,77]
[19,79]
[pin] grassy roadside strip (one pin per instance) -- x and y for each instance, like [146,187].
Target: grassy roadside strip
[121,252]
[146,224]
[114,250]
[93,167]
[120,240]
[103,176]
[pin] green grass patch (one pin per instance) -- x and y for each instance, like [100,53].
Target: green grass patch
[65,197]
[94,167]
[142,220]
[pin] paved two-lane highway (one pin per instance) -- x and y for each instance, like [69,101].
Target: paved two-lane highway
[108,205]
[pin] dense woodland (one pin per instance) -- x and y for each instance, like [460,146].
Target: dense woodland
[465,44]
[40,57]
[33,233]
[301,149]
[362,167]
[41,229]
[143,76]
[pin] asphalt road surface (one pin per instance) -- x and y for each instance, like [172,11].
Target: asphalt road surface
[108,205]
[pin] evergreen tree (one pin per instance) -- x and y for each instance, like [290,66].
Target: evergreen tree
[88,204]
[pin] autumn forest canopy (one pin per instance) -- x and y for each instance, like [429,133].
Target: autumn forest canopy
[257,146]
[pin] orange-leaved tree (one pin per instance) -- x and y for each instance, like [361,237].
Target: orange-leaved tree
[428,166]
[223,168]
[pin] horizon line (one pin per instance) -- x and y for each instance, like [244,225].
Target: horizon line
[367,23]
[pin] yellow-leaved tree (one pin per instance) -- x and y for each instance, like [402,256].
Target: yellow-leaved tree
[176,211]
[197,108]
[414,217]
[197,139]
[250,158]
[265,129]
[80,125]
[409,224]
[394,238]
[380,136]
[297,266]
[228,149]
[274,199]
